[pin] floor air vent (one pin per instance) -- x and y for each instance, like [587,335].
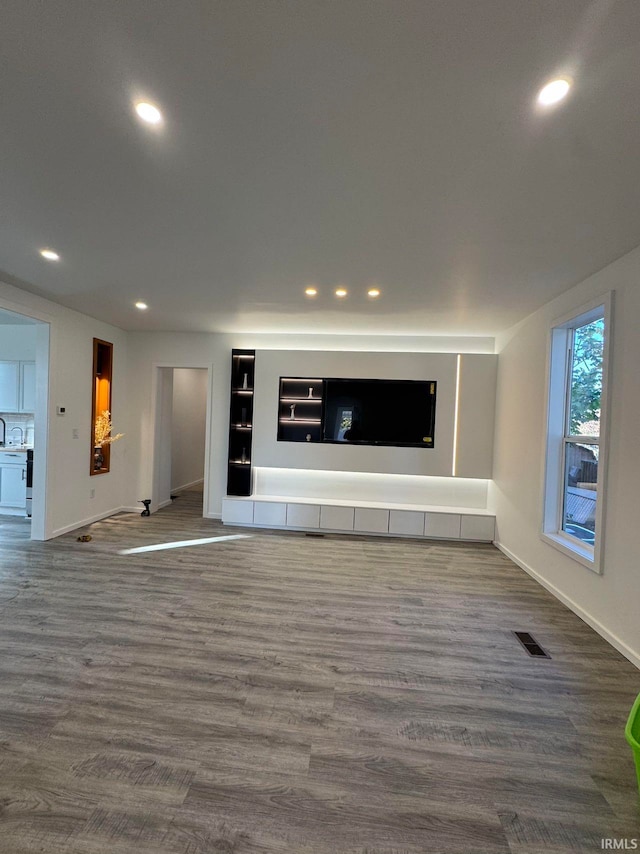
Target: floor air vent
[531,645]
[311,534]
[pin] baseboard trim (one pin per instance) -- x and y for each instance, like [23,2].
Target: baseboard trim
[162,504]
[217,516]
[188,485]
[81,524]
[596,625]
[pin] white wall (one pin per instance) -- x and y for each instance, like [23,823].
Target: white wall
[474,435]
[18,342]
[151,352]
[161,495]
[63,463]
[609,602]
[188,427]
[272,364]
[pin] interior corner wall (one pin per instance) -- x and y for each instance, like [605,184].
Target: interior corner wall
[189,412]
[609,602]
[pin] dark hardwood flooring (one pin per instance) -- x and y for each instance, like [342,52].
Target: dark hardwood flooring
[299,695]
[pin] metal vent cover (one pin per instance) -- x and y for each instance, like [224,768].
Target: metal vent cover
[531,645]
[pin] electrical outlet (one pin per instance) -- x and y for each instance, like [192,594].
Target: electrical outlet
[92,493]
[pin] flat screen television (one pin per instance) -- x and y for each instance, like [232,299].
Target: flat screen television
[379,412]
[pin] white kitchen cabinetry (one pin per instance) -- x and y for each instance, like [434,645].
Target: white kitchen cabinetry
[9,386]
[13,480]
[27,387]
[17,386]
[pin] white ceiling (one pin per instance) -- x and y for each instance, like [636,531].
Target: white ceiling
[387,142]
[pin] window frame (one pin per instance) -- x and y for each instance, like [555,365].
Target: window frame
[557,434]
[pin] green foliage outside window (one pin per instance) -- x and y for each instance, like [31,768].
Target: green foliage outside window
[586,377]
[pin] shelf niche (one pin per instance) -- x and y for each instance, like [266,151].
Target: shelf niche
[300,405]
[101,402]
[241,422]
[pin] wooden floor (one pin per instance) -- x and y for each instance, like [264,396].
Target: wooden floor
[283,693]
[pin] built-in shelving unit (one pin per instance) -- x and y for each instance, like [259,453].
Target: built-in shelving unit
[300,405]
[241,422]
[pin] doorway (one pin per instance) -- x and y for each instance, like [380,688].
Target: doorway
[24,380]
[180,448]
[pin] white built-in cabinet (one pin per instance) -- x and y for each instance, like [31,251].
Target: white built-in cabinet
[445,523]
[17,386]
[13,479]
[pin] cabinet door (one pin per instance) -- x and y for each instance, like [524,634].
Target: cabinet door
[269,513]
[303,515]
[409,522]
[336,518]
[9,381]
[28,386]
[446,525]
[13,486]
[373,519]
[478,528]
[237,512]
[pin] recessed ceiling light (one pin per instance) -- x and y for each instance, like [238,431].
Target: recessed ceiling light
[373,292]
[141,305]
[311,292]
[341,292]
[554,91]
[148,113]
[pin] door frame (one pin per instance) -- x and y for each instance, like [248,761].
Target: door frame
[159,439]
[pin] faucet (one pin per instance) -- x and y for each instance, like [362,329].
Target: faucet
[21,433]
[4,431]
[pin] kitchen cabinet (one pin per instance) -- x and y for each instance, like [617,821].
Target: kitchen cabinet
[13,479]
[27,391]
[17,386]
[9,386]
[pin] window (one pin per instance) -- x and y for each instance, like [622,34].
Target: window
[574,483]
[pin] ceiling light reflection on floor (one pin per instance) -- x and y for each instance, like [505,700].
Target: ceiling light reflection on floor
[181,544]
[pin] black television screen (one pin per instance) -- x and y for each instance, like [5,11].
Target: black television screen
[380,412]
